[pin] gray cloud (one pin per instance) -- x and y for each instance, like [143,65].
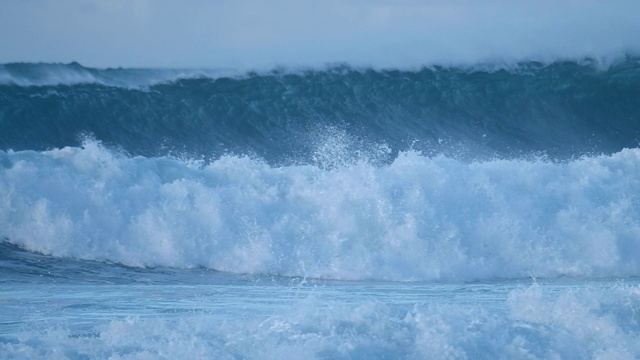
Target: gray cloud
[257,34]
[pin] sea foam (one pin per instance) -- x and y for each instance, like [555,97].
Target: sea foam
[537,323]
[417,218]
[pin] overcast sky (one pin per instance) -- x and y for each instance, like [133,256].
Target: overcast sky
[250,33]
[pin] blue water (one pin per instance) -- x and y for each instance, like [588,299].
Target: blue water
[487,211]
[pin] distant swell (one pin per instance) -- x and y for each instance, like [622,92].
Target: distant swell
[562,110]
[417,218]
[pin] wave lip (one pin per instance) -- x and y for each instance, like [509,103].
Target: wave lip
[416,219]
[54,74]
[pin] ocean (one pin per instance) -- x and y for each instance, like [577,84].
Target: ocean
[482,211]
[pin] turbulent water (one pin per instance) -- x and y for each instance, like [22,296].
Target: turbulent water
[486,211]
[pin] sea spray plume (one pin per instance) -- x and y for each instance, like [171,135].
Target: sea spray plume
[335,148]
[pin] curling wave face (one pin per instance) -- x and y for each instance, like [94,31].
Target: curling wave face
[563,109]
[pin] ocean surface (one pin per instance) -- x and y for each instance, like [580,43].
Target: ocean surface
[484,211]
